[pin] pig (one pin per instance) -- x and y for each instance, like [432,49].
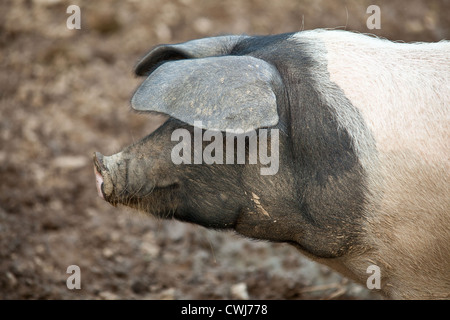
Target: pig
[360,130]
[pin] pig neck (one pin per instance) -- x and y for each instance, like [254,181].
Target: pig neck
[315,210]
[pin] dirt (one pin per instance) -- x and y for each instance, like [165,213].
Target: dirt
[65,94]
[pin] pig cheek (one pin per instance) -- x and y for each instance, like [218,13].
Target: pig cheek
[138,178]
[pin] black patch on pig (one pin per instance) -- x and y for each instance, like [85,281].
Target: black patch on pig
[319,200]
[330,184]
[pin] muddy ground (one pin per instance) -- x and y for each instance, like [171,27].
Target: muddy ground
[65,94]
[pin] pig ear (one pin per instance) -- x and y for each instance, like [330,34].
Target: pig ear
[200,48]
[229,93]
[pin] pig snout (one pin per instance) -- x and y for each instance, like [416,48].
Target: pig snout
[122,177]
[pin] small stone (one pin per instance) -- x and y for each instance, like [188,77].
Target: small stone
[12,280]
[168,294]
[107,295]
[107,252]
[239,291]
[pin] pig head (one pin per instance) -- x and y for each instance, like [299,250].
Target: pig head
[275,96]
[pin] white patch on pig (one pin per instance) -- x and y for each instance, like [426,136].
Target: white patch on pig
[402,92]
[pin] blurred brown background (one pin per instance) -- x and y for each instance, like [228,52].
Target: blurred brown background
[65,94]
